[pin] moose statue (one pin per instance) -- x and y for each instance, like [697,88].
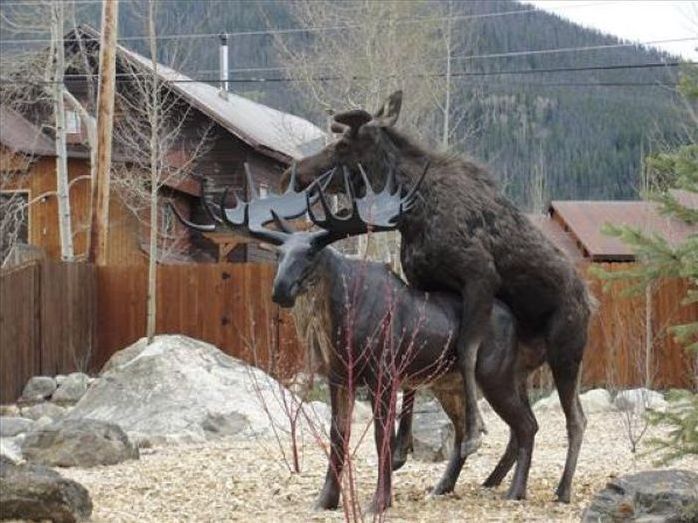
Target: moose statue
[384,333]
[466,237]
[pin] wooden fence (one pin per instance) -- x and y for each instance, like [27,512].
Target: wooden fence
[228,305]
[46,322]
[50,322]
[618,353]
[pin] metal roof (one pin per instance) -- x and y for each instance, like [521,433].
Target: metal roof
[556,234]
[584,220]
[22,136]
[268,130]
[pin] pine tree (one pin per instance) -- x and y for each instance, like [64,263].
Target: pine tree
[659,259]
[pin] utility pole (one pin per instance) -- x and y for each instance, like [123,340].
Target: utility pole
[99,225]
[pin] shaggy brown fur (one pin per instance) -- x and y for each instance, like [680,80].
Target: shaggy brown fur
[467,237]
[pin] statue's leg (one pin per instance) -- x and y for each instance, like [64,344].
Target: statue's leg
[339,444]
[504,388]
[383,430]
[505,463]
[477,308]
[403,442]
[565,343]
[452,403]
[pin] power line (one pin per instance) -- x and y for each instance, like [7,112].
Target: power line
[294,30]
[133,77]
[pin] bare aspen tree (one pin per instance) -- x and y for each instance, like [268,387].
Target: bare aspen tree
[150,133]
[64,218]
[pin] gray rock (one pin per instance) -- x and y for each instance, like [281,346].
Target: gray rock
[551,402]
[432,432]
[72,389]
[639,400]
[60,378]
[10,427]
[39,388]
[224,424]
[78,443]
[9,411]
[655,495]
[596,400]
[191,387]
[34,492]
[41,410]
[10,450]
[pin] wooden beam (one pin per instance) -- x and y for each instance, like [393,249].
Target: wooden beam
[99,223]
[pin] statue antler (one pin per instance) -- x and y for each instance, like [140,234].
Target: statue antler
[374,212]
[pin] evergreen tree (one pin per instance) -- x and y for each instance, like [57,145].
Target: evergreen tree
[659,259]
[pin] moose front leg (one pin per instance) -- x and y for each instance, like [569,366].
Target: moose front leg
[383,430]
[341,404]
[478,298]
[403,442]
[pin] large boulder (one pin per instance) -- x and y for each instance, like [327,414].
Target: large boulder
[11,426]
[78,443]
[72,388]
[655,495]
[639,400]
[596,400]
[548,403]
[38,388]
[432,432]
[179,389]
[43,410]
[37,493]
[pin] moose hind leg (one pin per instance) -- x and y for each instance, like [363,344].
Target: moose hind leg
[383,430]
[403,442]
[505,463]
[339,432]
[567,382]
[477,308]
[565,347]
[452,403]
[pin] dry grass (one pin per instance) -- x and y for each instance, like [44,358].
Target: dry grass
[246,480]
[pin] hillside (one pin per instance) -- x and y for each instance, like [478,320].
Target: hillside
[584,139]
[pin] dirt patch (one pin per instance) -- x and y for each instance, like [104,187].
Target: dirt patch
[247,480]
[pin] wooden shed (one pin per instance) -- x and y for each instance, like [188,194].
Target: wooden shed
[630,342]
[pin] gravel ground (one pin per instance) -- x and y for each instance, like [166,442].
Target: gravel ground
[248,481]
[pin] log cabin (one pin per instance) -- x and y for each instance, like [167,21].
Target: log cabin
[223,129]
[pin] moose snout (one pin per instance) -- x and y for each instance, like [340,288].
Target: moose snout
[284,294]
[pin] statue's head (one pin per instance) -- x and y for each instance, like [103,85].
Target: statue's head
[361,140]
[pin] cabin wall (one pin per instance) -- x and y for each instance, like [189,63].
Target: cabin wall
[39,178]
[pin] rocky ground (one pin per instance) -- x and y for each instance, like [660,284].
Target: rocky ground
[247,480]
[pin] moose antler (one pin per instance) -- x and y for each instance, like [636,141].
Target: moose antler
[249,218]
[374,212]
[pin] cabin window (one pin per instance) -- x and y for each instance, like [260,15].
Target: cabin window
[167,227]
[14,220]
[72,122]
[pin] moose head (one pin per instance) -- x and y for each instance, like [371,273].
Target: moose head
[300,251]
[363,139]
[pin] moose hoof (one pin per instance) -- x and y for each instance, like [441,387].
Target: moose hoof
[492,482]
[515,495]
[378,506]
[441,489]
[326,501]
[470,446]
[398,462]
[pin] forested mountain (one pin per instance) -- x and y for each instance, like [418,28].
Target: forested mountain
[583,131]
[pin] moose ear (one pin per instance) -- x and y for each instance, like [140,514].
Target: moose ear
[387,115]
[350,121]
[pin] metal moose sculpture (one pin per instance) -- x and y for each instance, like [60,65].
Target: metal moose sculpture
[466,237]
[386,333]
